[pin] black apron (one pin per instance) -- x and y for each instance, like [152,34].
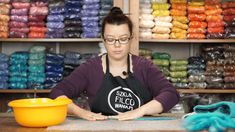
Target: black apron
[119,95]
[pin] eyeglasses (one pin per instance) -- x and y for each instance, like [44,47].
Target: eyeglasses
[123,40]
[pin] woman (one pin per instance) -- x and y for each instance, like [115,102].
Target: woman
[118,84]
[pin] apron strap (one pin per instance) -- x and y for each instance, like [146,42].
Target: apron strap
[107,64]
[128,64]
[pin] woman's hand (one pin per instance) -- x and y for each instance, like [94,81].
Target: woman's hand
[150,108]
[88,115]
[129,115]
[84,114]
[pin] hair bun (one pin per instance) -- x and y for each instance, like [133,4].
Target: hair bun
[116,11]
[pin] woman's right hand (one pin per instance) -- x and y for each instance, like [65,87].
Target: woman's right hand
[91,116]
[73,109]
[85,114]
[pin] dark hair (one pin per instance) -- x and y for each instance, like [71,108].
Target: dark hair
[116,17]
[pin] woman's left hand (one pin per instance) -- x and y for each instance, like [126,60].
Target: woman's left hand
[150,108]
[129,115]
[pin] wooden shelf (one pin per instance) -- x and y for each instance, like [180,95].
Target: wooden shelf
[99,40]
[51,40]
[209,91]
[179,90]
[189,40]
[24,91]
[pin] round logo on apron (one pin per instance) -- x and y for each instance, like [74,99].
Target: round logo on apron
[123,99]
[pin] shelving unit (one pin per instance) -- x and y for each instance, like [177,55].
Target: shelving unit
[57,42]
[51,40]
[190,44]
[24,91]
[201,91]
[188,41]
[59,46]
[207,91]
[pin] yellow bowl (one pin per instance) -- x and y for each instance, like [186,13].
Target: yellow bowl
[40,112]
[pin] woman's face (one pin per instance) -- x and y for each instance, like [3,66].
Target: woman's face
[117,40]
